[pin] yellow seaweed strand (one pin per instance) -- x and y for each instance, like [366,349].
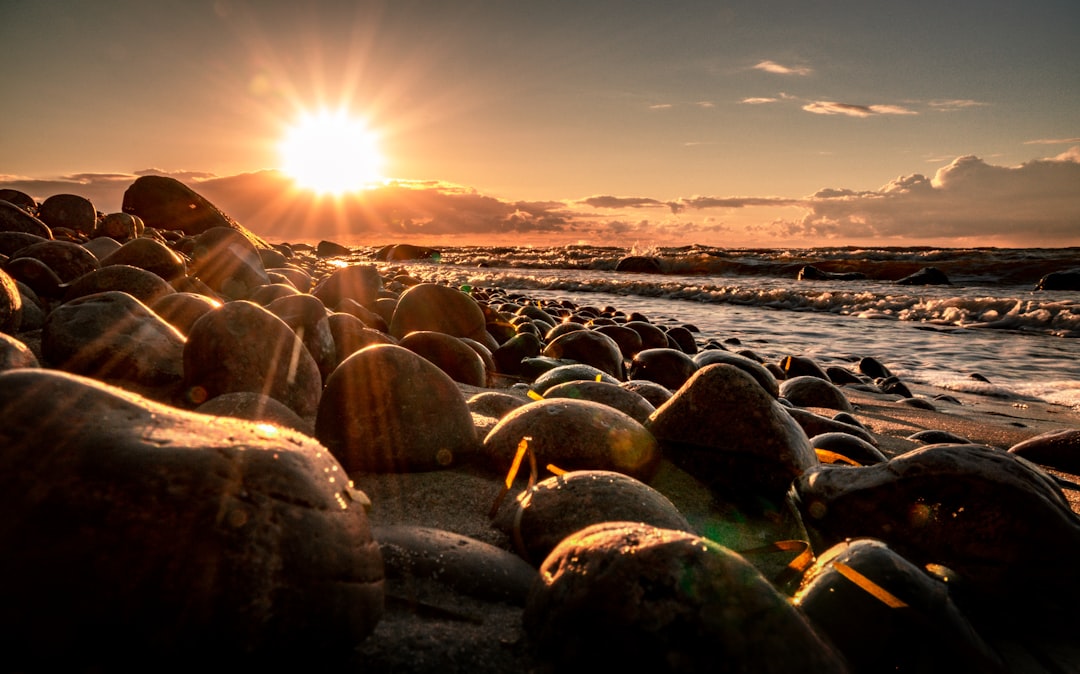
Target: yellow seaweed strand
[555,470]
[869,586]
[522,448]
[534,395]
[826,456]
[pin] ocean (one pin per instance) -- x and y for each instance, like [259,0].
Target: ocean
[988,332]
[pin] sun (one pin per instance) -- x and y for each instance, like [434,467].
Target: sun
[331,152]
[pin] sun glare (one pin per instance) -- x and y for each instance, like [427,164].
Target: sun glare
[330,152]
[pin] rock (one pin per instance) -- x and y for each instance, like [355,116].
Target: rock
[406,251]
[367,316]
[430,306]
[801,366]
[937,437]
[227,262]
[145,286]
[307,317]
[151,255]
[1059,450]
[264,295]
[927,634]
[573,372]
[495,404]
[300,279]
[67,260]
[806,391]
[755,369]
[1060,280]
[350,335]
[874,368]
[816,424]
[12,242]
[450,354]
[330,249]
[102,247]
[928,276]
[255,407]
[358,282]
[847,446]
[11,304]
[561,329]
[510,353]
[683,338]
[15,219]
[841,376]
[69,211]
[666,366]
[386,409]
[611,394]
[36,275]
[574,435]
[628,339]
[162,202]
[138,533]
[728,432]
[652,336]
[243,347]
[18,198]
[631,597]
[655,394]
[564,504]
[181,310]
[122,227]
[112,336]
[640,264]
[416,557]
[589,348]
[14,354]
[999,523]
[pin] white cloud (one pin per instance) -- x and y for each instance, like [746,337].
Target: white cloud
[1036,203]
[854,110]
[951,105]
[758,100]
[777,69]
[1052,141]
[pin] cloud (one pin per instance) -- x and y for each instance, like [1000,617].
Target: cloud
[758,100]
[606,201]
[1052,141]
[1035,203]
[853,110]
[776,68]
[702,203]
[951,105]
[661,106]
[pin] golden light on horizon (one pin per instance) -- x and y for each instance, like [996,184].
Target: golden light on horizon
[331,152]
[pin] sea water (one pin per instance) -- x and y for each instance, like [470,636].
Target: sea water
[989,331]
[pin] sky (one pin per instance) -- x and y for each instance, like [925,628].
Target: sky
[745,124]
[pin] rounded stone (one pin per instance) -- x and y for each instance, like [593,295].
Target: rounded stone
[801,366]
[67,260]
[561,505]
[561,374]
[1000,523]
[151,255]
[510,353]
[386,409]
[181,310]
[574,435]
[243,347]
[654,393]
[806,391]
[683,338]
[431,306]
[69,210]
[360,283]
[112,336]
[1059,450]
[652,336]
[12,242]
[666,366]
[589,348]
[14,354]
[145,286]
[928,634]
[254,407]
[727,431]
[266,294]
[607,393]
[308,318]
[629,340]
[752,367]
[15,219]
[10,304]
[848,446]
[120,226]
[450,354]
[350,335]
[621,596]
[137,532]
[495,404]
[227,262]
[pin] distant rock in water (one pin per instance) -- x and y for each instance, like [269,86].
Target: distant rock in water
[167,203]
[1060,280]
[639,264]
[406,251]
[331,249]
[812,273]
[930,276]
